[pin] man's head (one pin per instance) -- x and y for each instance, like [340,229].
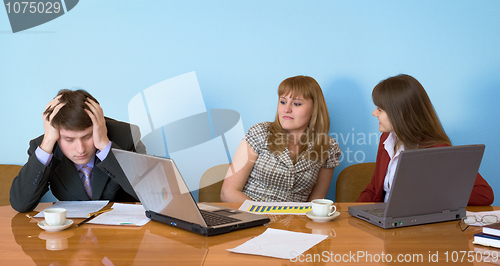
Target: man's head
[75,126]
[72,115]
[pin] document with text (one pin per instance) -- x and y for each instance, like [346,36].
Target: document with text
[123,214]
[77,209]
[279,244]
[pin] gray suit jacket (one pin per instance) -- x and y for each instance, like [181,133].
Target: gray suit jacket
[61,177]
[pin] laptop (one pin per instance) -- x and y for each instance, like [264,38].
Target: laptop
[167,199]
[430,185]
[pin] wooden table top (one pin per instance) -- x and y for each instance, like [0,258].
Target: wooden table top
[22,242]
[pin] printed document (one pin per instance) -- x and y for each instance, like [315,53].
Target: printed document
[279,244]
[298,208]
[77,209]
[123,214]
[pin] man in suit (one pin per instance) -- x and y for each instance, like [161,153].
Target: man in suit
[73,158]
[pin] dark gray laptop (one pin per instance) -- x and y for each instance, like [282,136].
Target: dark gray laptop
[166,198]
[430,185]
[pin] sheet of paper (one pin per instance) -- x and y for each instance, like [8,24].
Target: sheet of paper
[123,214]
[279,244]
[479,216]
[298,208]
[78,209]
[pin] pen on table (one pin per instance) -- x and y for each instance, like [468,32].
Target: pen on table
[92,216]
[86,220]
[99,212]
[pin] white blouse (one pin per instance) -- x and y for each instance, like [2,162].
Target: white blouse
[389,144]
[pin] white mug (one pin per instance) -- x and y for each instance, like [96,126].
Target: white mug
[323,207]
[55,216]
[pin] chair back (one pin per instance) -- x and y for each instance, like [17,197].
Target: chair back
[211,183]
[7,173]
[352,181]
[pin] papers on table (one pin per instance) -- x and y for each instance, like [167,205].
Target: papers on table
[123,214]
[77,209]
[279,244]
[299,208]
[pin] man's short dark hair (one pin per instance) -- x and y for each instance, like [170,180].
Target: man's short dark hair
[72,116]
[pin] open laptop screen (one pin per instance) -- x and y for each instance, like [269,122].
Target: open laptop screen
[159,185]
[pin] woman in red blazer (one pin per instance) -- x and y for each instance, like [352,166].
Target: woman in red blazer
[407,121]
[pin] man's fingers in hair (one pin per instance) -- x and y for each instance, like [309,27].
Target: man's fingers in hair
[56,109]
[52,104]
[92,104]
[95,108]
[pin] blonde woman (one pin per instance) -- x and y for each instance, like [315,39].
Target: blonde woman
[291,159]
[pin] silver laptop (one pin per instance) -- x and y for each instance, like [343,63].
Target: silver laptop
[166,198]
[430,185]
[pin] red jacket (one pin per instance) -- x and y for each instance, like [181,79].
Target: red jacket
[482,194]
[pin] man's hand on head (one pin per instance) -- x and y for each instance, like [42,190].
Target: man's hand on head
[51,134]
[100,132]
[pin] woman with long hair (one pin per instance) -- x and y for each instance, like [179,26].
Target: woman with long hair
[291,159]
[408,121]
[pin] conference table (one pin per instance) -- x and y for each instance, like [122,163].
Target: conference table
[349,240]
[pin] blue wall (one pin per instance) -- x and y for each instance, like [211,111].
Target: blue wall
[242,50]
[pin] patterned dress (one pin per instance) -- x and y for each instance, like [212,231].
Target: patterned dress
[275,177]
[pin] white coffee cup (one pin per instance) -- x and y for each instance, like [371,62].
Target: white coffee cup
[55,216]
[323,207]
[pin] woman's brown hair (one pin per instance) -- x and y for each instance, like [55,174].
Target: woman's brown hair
[316,135]
[410,112]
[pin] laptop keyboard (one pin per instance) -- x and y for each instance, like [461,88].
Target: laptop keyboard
[379,212]
[213,219]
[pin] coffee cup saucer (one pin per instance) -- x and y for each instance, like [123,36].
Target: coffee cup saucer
[321,219]
[43,224]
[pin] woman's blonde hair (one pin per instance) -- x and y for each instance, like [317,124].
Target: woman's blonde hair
[316,134]
[410,112]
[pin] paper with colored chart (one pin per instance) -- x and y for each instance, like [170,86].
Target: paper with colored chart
[298,208]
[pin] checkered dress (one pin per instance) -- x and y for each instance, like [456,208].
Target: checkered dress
[275,177]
